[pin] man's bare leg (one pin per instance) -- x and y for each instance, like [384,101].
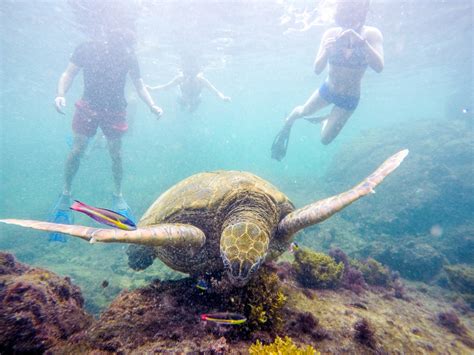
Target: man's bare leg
[73,161]
[115,150]
[118,202]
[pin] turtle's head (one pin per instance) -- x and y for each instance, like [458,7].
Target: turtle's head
[243,247]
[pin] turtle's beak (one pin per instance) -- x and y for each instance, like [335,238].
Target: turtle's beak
[240,273]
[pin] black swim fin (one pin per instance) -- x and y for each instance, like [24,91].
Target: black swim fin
[280,143]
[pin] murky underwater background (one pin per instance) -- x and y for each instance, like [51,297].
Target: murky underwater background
[421,218]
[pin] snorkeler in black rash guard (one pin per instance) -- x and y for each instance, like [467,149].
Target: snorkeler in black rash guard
[105,65]
[191,81]
[348,49]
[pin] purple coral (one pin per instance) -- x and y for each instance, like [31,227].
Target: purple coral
[451,321]
[353,280]
[364,333]
[399,290]
[339,256]
[305,323]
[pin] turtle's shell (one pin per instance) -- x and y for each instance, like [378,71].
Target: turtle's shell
[203,200]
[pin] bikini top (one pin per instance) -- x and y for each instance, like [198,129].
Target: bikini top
[345,55]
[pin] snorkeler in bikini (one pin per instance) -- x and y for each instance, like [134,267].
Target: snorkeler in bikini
[348,49]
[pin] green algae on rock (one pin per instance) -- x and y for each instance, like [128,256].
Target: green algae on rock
[281,346]
[317,270]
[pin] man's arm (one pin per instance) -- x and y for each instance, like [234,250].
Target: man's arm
[327,42]
[374,49]
[146,97]
[212,88]
[65,82]
[175,81]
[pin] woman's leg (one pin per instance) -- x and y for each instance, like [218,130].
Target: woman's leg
[333,124]
[280,143]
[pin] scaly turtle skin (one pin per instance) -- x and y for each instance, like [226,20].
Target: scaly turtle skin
[220,221]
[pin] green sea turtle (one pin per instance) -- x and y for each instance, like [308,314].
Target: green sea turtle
[228,221]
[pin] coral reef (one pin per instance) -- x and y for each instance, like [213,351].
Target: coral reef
[414,259]
[434,188]
[461,279]
[38,308]
[424,218]
[317,270]
[170,311]
[281,346]
[164,317]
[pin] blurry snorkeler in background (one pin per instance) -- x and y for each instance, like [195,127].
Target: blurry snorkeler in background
[105,64]
[191,81]
[349,49]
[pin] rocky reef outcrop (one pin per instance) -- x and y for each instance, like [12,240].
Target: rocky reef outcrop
[165,316]
[38,309]
[422,219]
[42,312]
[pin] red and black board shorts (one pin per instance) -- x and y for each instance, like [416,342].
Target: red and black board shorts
[86,120]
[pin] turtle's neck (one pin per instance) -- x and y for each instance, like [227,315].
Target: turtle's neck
[253,208]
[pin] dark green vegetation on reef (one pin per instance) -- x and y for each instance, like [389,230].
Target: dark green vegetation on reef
[317,270]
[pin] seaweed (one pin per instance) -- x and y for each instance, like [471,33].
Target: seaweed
[317,270]
[262,302]
[281,346]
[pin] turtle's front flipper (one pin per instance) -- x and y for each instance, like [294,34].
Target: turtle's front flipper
[321,210]
[179,235]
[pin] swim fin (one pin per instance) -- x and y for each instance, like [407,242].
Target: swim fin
[61,214]
[280,143]
[119,205]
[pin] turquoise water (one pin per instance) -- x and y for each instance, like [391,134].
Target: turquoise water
[247,55]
